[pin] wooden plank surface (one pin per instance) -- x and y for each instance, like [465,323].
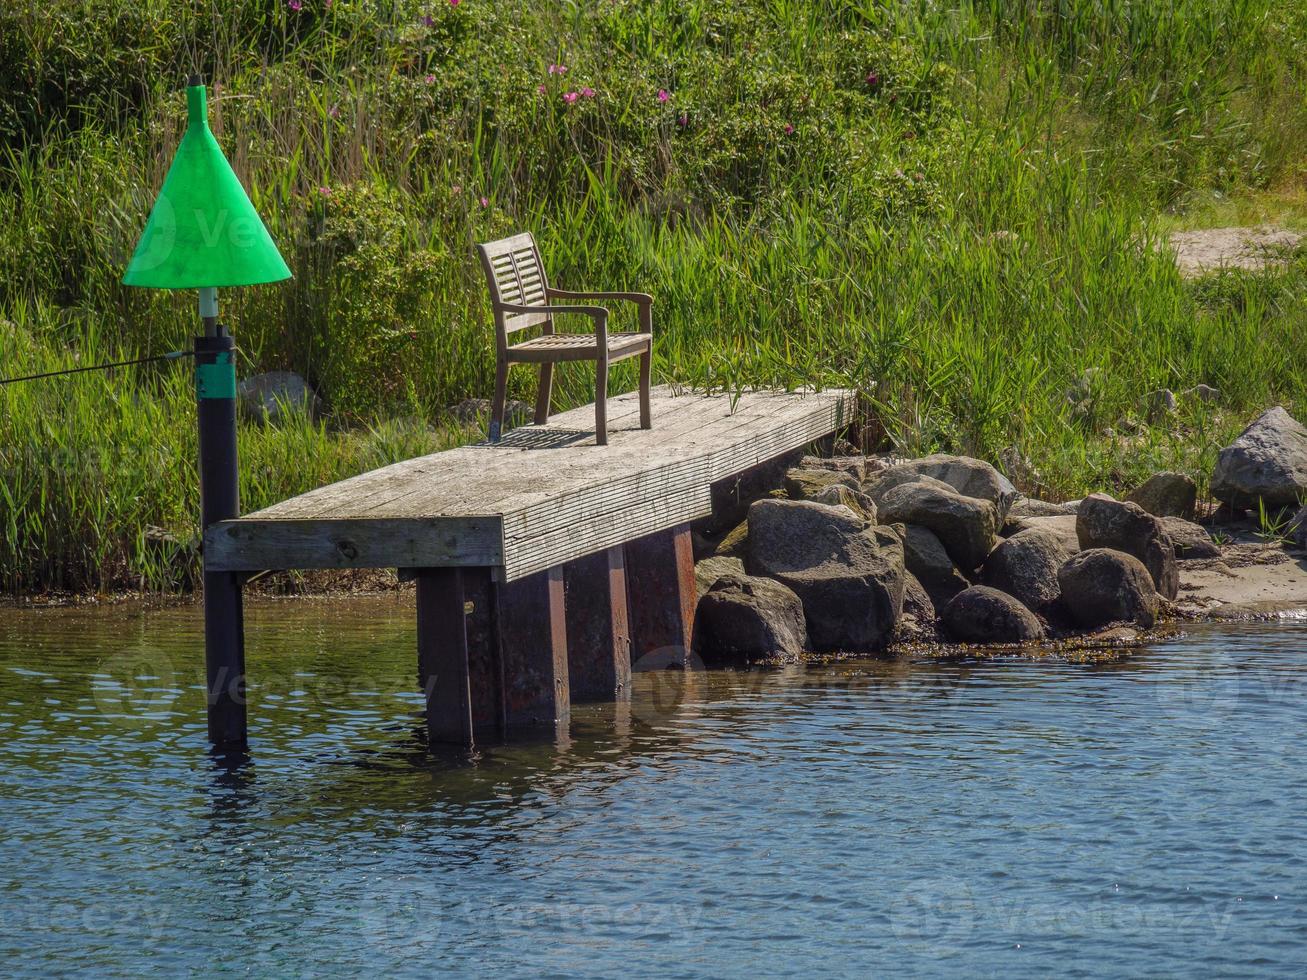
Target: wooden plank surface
[541,496]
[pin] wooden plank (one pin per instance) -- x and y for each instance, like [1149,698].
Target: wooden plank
[243,545]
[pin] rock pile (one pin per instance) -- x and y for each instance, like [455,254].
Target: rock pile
[848,555]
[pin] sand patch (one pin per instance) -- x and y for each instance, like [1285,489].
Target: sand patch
[1210,249]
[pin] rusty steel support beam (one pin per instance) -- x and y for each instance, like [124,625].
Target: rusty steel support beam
[598,627]
[661,596]
[532,629]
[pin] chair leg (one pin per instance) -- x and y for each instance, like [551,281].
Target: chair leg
[544,392]
[601,403]
[646,372]
[501,395]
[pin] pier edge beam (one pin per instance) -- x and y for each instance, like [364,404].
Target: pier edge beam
[661,595]
[598,626]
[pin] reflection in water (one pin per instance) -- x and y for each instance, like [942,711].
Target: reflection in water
[961,817]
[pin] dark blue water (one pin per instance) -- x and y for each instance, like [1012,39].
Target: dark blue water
[1008,819]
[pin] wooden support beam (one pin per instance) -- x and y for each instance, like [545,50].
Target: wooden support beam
[661,595]
[598,627]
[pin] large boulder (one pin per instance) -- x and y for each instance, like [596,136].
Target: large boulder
[1102,522]
[1297,529]
[1190,540]
[1268,462]
[1101,586]
[969,477]
[1033,507]
[926,559]
[967,526]
[1025,566]
[746,618]
[273,396]
[984,615]
[849,576]
[1166,495]
[917,601]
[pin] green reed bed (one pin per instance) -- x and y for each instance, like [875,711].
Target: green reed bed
[954,206]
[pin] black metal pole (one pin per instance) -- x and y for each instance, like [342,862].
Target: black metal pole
[224,628]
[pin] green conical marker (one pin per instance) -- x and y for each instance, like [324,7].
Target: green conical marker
[203,231]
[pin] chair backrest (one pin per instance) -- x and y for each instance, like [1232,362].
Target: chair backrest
[515,276]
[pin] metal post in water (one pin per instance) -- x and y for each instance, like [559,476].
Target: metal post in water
[224,633]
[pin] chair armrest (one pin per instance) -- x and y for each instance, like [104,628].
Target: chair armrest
[643,300]
[596,313]
[552,293]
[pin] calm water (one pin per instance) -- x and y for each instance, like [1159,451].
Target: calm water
[1010,819]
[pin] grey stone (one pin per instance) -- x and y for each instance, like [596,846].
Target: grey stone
[849,577]
[969,477]
[1204,393]
[746,618]
[1103,522]
[981,614]
[855,500]
[1166,495]
[1025,567]
[1297,529]
[1102,586]
[1160,402]
[855,466]
[917,601]
[1062,525]
[926,559]
[1031,507]
[273,396]
[879,484]
[1268,462]
[708,571]
[967,526]
[1190,540]
[801,483]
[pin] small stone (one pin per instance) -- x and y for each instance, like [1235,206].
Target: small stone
[1190,540]
[1297,529]
[1102,586]
[1160,402]
[1204,393]
[1166,495]
[802,483]
[273,396]
[746,618]
[981,614]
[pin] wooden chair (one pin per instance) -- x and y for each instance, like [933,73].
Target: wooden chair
[521,296]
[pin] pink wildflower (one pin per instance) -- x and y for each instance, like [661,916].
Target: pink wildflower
[334,112]
[454,3]
[558,69]
[431,79]
[485,202]
[683,120]
[663,95]
[325,191]
[295,5]
[872,79]
[788,129]
[570,97]
[541,89]
[588,93]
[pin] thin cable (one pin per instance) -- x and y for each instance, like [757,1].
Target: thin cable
[172,355]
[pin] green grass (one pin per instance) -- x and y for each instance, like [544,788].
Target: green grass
[952,205]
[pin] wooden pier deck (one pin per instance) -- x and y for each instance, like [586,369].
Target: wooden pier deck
[546,565]
[542,496]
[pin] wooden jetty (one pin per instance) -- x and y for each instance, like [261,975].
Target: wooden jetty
[545,564]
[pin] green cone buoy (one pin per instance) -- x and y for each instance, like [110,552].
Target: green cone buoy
[203,231]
